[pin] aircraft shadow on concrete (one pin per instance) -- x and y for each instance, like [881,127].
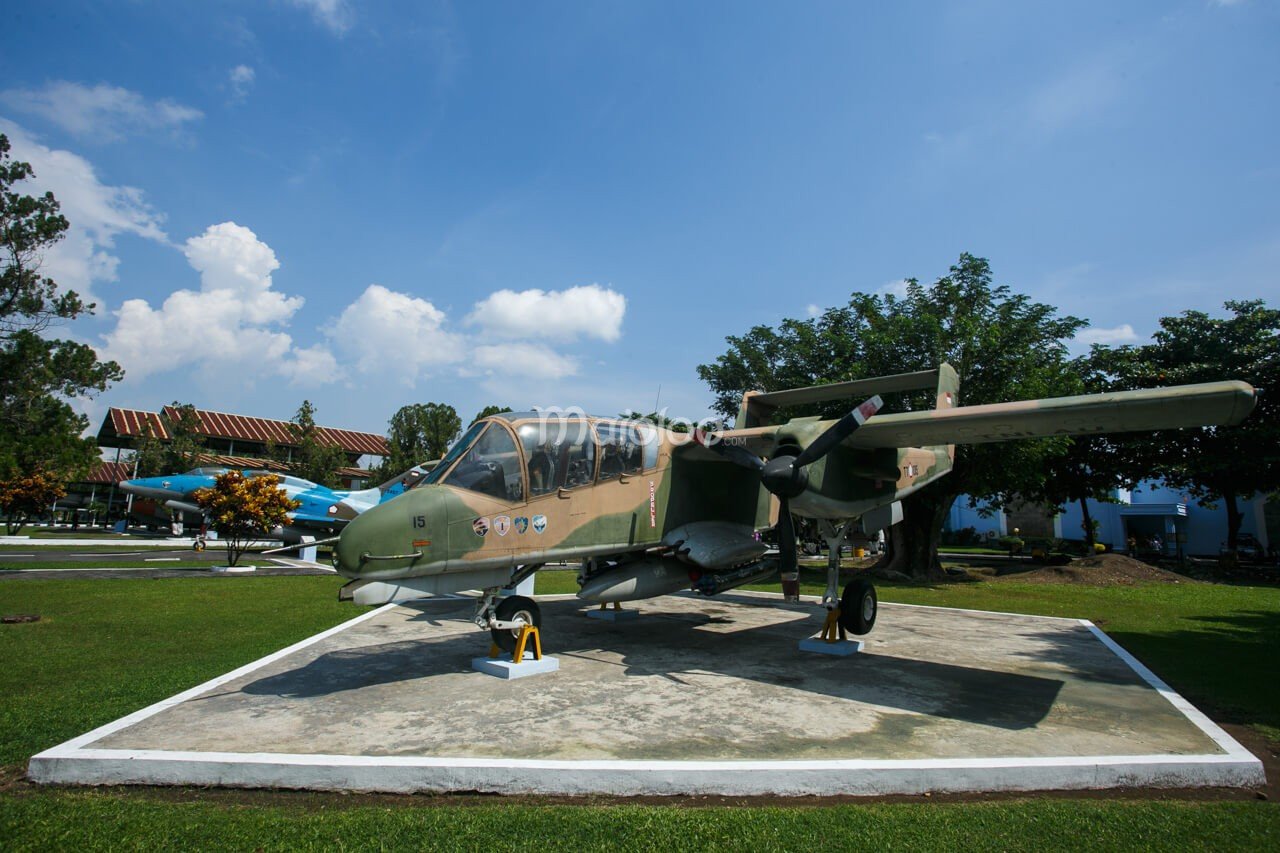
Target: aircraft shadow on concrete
[671,645]
[366,666]
[769,654]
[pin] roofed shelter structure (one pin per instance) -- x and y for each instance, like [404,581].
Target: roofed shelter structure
[239,441]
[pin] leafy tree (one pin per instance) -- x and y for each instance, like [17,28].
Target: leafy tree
[314,460]
[29,494]
[417,433]
[1087,467]
[243,508]
[38,429]
[490,410]
[181,452]
[658,419]
[1212,463]
[1003,345]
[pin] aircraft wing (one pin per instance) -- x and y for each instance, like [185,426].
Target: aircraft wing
[1208,404]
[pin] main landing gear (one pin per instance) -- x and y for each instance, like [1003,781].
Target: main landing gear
[858,607]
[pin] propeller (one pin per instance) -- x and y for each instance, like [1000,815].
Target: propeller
[785,475]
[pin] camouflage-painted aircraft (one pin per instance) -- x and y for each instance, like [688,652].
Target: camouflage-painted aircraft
[649,512]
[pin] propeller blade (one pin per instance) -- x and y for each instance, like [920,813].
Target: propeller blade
[786,538]
[838,432]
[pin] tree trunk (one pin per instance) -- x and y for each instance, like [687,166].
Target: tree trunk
[913,542]
[1087,524]
[1234,519]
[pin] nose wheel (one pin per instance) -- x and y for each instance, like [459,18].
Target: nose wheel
[512,614]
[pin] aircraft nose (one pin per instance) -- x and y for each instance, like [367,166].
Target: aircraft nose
[384,539]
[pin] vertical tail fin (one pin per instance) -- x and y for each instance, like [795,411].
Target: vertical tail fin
[948,396]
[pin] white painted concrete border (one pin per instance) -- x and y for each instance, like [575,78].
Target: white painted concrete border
[74,763]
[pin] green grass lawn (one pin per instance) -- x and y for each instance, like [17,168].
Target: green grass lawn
[103,649]
[125,563]
[30,548]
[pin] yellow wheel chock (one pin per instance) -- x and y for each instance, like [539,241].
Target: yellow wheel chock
[832,630]
[522,640]
[617,605]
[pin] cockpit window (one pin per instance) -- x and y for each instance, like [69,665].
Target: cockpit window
[621,449]
[455,450]
[491,466]
[561,453]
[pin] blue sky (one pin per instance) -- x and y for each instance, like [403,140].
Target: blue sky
[370,204]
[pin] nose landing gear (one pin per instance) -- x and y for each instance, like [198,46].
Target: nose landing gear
[506,617]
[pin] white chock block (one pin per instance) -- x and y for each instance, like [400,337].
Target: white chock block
[613,615]
[840,648]
[504,667]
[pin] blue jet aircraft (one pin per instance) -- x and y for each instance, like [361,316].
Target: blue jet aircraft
[322,509]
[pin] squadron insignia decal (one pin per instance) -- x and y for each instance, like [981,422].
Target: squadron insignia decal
[521,522]
[480,526]
[502,524]
[539,523]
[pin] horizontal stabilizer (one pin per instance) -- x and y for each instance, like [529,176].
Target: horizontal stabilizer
[1209,404]
[758,406]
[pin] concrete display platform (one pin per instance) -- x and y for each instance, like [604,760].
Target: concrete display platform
[698,696]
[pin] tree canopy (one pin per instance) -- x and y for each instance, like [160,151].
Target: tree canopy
[1211,463]
[1003,345]
[314,460]
[418,433]
[39,431]
[490,410]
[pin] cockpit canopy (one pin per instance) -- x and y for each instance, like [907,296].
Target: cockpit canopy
[513,456]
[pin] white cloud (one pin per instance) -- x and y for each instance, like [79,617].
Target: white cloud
[102,113]
[313,365]
[227,327]
[98,213]
[402,335]
[523,361]
[333,15]
[1122,334]
[896,288]
[813,310]
[590,311]
[241,78]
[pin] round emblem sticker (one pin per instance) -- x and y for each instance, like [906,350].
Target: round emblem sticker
[480,526]
[502,524]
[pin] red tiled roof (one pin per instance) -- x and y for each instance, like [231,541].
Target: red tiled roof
[131,422]
[353,473]
[241,462]
[110,472]
[134,422]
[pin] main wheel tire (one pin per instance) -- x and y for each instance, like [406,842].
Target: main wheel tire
[858,606]
[508,610]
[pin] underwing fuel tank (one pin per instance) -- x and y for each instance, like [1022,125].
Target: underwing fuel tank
[636,580]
